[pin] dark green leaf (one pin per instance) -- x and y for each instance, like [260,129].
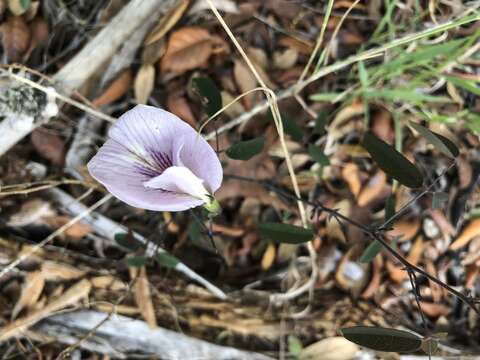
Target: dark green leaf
[439,199]
[321,123]
[371,251]
[440,142]
[127,241]
[383,339]
[318,155]
[167,260]
[211,97]
[392,162]
[285,233]
[136,261]
[390,207]
[292,129]
[195,231]
[245,150]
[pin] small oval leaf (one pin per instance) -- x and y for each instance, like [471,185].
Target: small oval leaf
[317,155]
[136,261]
[211,97]
[166,260]
[285,233]
[371,251]
[383,339]
[392,162]
[127,241]
[245,150]
[440,142]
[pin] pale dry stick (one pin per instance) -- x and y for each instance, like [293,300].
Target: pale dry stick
[339,65]
[57,232]
[48,185]
[53,92]
[272,101]
[319,42]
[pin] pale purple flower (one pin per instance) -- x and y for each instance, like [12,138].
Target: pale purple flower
[153,160]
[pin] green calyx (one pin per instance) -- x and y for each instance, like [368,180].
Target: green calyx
[213,206]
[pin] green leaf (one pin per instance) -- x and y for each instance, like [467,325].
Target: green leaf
[383,339]
[292,129]
[321,123]
[245,150]
[211,97]
[285,233]
[127,241]
[317,155]
[439,199]
[167,260]
[295,346]
[362,74]
[371,251]
[441,143]
[390,207]
[136,261]
[392,162]
[469,85]
[405,95]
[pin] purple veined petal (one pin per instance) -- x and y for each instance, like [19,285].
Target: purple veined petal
[123,174]
[181,180]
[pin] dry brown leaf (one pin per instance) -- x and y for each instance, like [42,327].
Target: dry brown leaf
[468,233]
[15,36]
[76,231]
[31,291]
[285,59]
[382,125]
[188,48]
[235,109]
[179,106]
[107,282]
[333,348]
[55,271]
[49,145]
[268,257]
[166,23]
[351,175]
[40,32]
[372,189]
[116,90]
[153,52]
[434,310]
[144,83]
[407,229]
[376,279]
[227,230]
[398,274]
[117,309]
[74,294]
[143,298]
[32,212]
[303,47]
[245,81]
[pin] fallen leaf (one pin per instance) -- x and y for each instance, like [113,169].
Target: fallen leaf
[40,32]
[467,234]
[32,212]
[434,310]
[285,59]
[373,189]
[31,290]
[76,231]
[179,106]
[351,175]
[166,23]
[406,229]
[376,279]
[333,348]
[245,81]
[142,295]
[53,271]
[116,90]
[144,83]
[70,297]
[15,36]
[398,273]
[188,48]
[49,145]
[107,282]
[268,257]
